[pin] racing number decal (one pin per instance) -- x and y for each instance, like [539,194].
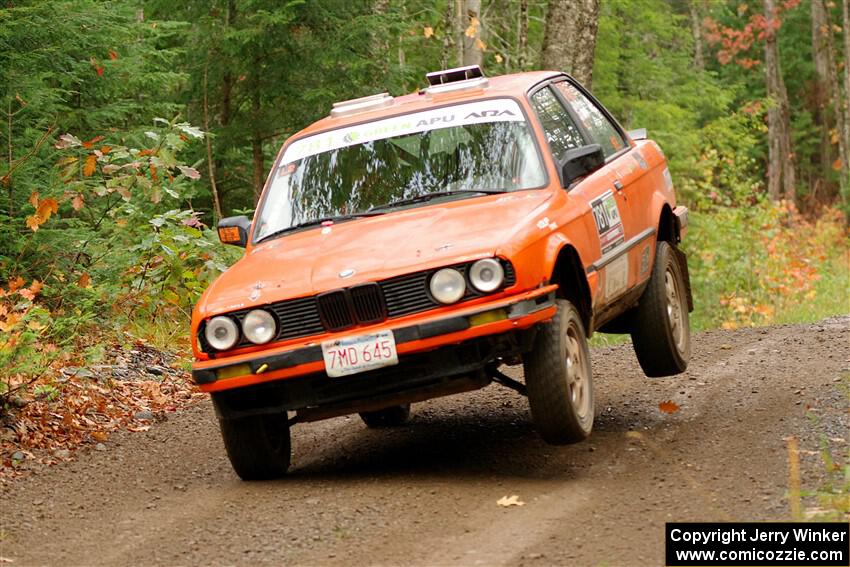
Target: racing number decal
[609,225]
[608,221]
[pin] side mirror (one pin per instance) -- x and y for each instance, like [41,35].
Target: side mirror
[581,161]
[234,230]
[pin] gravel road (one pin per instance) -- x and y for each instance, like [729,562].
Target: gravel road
[425,493]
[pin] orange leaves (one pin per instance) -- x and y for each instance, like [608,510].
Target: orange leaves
[428,32]
[473,28]
[90,166]
[84,281]
[668,407]
[16,284]
[88,145]
[44,208]
[78,202]
[113,55]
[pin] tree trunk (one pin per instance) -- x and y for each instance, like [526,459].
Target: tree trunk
[822,95]
[457,25]
[696,31]
[208,139]
[380,45]
[257,135]
[780,169]
[845,13]
[471,18]
[522,56]
[569,40]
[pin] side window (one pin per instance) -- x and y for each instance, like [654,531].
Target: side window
[600,128]
[561,132]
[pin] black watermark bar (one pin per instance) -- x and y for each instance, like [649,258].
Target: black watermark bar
[692,544]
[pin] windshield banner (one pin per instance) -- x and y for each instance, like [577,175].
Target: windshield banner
[496,110]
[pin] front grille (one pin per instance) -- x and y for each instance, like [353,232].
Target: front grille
[362,304]
[368,303]
[334,310]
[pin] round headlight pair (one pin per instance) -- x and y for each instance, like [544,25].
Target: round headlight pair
[258,326]
[448,285]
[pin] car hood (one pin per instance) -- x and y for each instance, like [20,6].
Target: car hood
[372,248]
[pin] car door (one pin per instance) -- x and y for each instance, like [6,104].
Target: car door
[564,131]
[624,265]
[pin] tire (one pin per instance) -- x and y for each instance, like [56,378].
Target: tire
[559,380]
[258,446]
[661,332]
[387,417]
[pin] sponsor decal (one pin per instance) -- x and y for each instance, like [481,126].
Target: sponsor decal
[668,179]
[644,260]
[609,224]
[616,277]
[480,112]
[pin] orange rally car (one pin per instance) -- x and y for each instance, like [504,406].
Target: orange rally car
[405,248]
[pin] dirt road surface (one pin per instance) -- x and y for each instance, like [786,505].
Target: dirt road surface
[425,493]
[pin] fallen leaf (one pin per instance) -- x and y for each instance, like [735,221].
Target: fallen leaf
[113,55]
[428,31]
[513,500]
[668,406]
[88,145]
[33,200]
[100,436]
[16,283]
[90,166]
[84,281]
[77,202]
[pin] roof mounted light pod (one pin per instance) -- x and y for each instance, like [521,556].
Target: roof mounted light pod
[358,105]
[459,79]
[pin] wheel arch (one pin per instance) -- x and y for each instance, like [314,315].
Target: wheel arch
[570,275]
[667,225]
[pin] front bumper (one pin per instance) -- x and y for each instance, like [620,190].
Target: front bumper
[516,312]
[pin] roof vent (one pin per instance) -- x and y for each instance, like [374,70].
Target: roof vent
[461,78]
[358,105]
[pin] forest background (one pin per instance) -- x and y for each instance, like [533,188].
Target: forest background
[128,127]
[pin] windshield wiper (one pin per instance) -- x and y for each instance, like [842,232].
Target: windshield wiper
[428,196]
[317,222]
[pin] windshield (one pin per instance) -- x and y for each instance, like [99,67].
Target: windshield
[456,150]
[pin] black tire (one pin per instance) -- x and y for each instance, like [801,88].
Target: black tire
[258,446]
[661,332]
[387,417]
[559,380]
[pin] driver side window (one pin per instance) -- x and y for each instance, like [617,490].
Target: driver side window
[561,132]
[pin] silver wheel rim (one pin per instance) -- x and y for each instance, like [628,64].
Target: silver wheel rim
[578,380]
[674,309]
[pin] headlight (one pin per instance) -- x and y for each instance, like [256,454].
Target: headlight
[486,275]
[447,285]
[221,333]
[259,326]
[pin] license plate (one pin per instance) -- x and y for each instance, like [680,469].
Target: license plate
[359,354]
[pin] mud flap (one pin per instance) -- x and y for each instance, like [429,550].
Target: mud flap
[682,259]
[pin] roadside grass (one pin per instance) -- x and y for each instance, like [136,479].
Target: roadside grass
[823,495]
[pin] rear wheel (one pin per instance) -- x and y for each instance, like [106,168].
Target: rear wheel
[559,380]
[661,332]
[258,446]
[387,417]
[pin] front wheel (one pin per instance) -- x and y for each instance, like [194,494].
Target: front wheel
[559,379]
[661,332]
[258,446]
